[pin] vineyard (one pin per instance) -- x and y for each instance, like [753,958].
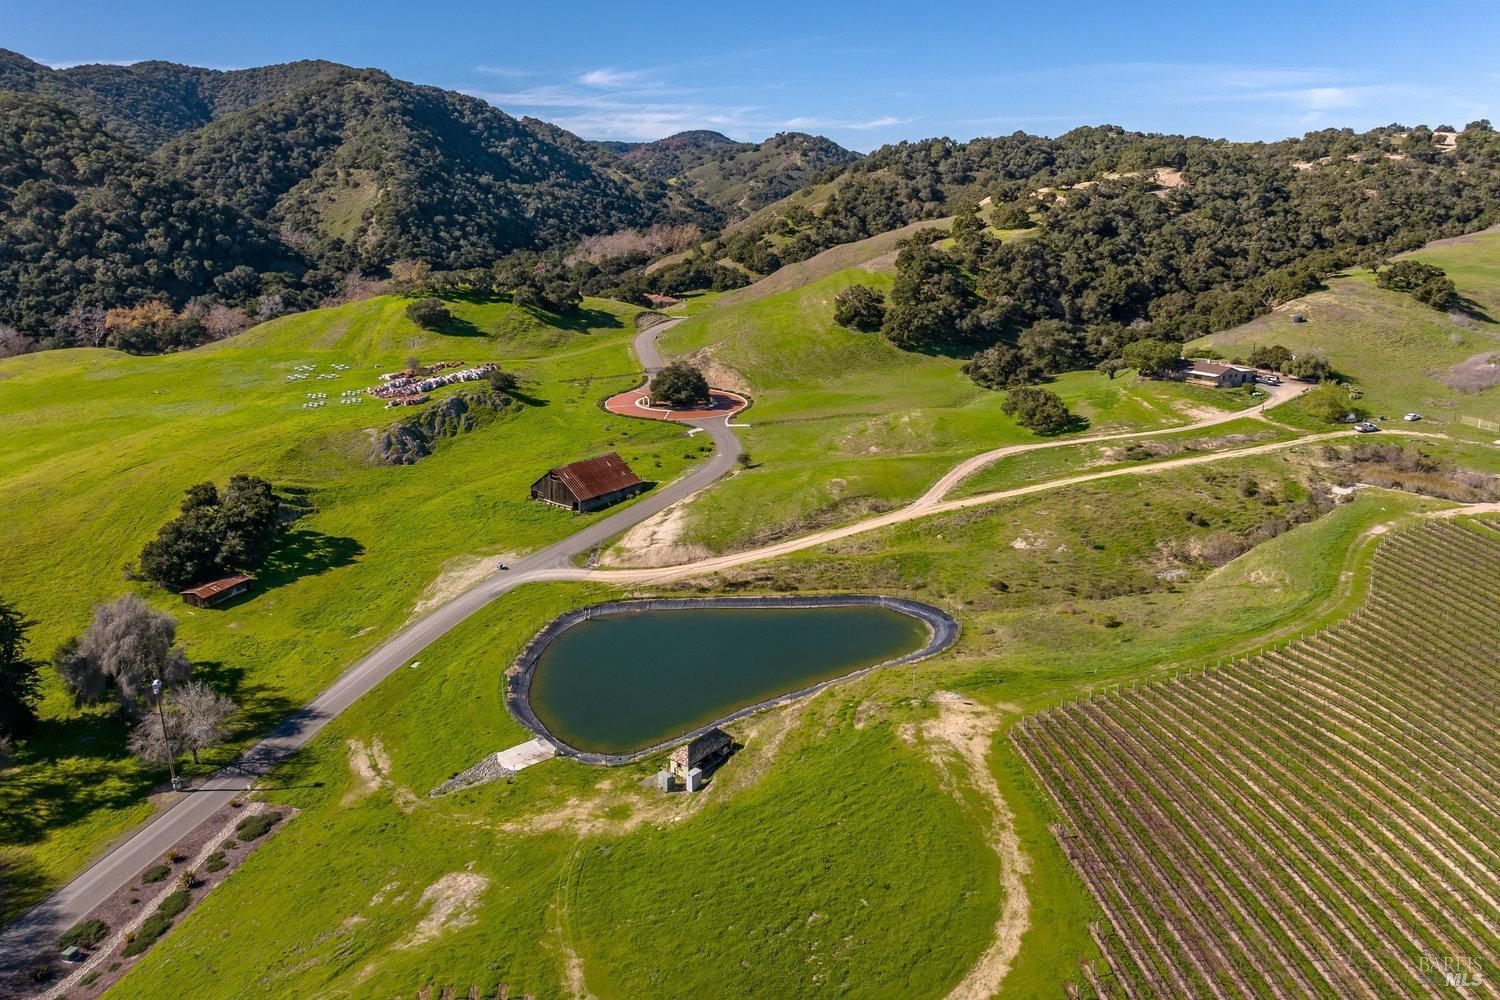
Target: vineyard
[1321,820]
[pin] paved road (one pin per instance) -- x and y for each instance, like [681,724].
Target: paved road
[42,925]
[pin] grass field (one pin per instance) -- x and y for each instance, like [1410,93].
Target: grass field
[1295,824]
[101,446]
[572,860]
[1394,349]
[828,850]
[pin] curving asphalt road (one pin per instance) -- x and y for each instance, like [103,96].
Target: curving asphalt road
[43,924]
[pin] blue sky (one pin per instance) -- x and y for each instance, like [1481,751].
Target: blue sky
[862,74]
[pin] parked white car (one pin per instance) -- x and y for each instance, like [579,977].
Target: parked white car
[1365,427]
[1270,379]
[1410,417]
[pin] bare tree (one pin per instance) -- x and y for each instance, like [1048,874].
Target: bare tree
[269,305]
[128,644]
[354,288]
[146,741]
[84,326]
[408,276]
[13,342]
[201,713]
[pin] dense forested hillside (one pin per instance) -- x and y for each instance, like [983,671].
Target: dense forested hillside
[664,159]
[1133,235]
[87,223]
[179,188]
[148,103]
[163,183]
[735,177]
[396,170]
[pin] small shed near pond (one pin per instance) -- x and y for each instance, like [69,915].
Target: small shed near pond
[700,753]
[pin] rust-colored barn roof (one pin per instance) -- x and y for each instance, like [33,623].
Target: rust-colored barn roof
[210,590]
[594,477]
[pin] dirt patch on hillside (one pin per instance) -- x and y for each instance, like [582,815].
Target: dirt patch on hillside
[368,765]
[718,374]
[960,738]
[760,739]
[371,767]
[656,541]
[1475,374]
[453,903]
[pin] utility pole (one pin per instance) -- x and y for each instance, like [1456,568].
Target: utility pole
[165,739]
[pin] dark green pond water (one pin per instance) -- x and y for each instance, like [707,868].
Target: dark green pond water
[620,683]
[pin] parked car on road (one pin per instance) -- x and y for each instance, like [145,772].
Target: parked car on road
[1365,427]
[1270,379]
[1412,417]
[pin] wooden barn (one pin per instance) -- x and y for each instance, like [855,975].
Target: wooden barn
[216,591]
[591,484]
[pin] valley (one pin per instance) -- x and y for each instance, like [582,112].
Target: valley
[1018,567]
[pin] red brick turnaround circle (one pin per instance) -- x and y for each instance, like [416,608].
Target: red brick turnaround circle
[633,404]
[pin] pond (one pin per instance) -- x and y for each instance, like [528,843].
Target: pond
[612,681]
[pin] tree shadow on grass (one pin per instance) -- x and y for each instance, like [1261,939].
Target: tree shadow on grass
[68,769]
[1472,309]
[23,884]
[302,552]
[1073,426]
[457,326]
[580,320]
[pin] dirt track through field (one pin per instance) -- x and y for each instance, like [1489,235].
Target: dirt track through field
[926,508]
[966,730]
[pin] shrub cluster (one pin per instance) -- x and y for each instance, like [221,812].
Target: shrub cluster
[215,533]
[255,827]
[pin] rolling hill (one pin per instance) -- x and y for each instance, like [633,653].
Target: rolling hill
[735,177]
[395,170]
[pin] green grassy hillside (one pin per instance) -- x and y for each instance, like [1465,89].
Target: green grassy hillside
[1396,350]
[828,856]
[101,445]
[844,422]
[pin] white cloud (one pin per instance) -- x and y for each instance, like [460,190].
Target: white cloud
[611,79]
[502,71]
[617,115]
[886,121]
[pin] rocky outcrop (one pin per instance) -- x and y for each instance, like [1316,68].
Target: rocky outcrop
[412,439]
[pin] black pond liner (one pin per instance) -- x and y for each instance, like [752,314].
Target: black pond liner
[942,632]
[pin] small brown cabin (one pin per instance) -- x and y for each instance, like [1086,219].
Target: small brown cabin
[701,752]
[216,591]
[592,484]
